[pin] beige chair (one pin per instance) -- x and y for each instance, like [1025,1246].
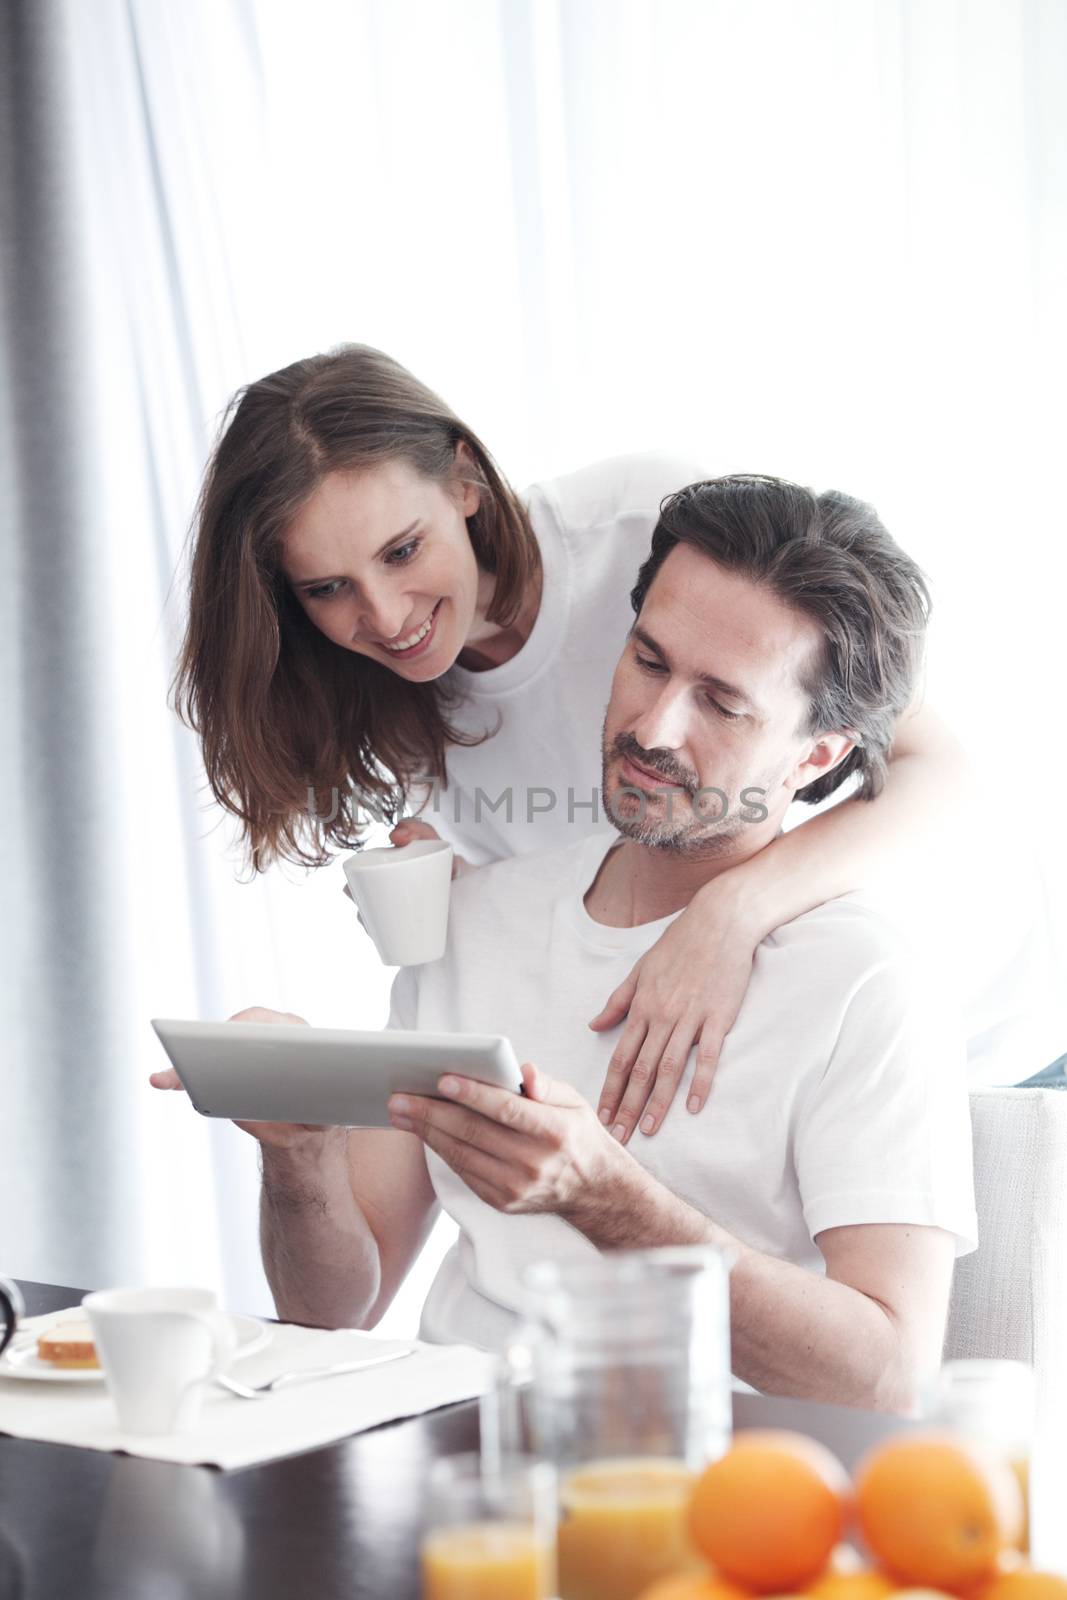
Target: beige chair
[1009,1297]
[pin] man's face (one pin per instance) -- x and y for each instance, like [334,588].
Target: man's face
[707,696]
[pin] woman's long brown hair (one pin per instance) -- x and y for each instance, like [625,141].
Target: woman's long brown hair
[299,736]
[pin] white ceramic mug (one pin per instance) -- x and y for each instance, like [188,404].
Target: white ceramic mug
[402,895]
[159,1348]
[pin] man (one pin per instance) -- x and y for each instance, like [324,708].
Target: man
[777,639]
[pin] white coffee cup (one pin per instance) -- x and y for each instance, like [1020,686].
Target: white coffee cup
[159,1348]
[402,895]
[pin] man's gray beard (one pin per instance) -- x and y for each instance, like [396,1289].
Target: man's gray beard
[674,837]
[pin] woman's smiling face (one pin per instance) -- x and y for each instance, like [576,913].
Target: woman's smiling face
[382,563]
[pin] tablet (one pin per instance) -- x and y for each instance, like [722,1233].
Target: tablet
[287,1072]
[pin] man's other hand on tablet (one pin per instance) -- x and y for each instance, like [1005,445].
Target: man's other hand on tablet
[281,1134]
[546,1152]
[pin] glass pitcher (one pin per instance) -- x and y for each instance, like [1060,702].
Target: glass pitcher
[995,1402]
[621,1378]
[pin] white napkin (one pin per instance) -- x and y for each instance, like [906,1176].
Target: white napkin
[232,1432]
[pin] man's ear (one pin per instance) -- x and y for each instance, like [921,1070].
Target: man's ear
[469,494]
[826,751]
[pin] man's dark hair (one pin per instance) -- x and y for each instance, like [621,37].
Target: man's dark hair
[828,556]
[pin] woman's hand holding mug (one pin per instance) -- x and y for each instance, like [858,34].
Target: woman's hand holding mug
[408,829]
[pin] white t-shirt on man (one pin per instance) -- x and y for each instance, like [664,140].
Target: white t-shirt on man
[534,784]
[839,1098]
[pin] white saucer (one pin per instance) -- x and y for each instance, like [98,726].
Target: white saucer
[20,1359]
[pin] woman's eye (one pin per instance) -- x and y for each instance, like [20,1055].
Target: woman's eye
[396,558]
[403,552]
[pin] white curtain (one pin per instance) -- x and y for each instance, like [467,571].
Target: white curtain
[822,238]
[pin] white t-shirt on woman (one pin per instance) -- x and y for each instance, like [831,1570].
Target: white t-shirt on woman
[538,774]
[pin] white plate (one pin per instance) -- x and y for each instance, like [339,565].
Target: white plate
[20,1359]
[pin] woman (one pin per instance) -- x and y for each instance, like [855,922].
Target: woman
[377,621]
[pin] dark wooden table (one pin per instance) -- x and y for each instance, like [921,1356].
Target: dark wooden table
[339,1523]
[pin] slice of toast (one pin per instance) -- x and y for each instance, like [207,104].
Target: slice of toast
[68,1344]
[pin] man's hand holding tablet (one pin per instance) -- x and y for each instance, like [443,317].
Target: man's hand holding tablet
[327,1263]
[346,1200]
[283,1135]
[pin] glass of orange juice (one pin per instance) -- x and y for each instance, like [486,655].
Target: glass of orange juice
[624,1367]
[490,1529]
[622,1525]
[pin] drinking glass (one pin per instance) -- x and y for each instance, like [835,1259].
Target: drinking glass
[490,1529]
[621,1378]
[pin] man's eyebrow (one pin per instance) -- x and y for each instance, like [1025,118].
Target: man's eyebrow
[707,678]
[302,583]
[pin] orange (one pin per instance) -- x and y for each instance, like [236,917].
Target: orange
[691,1586]
[768,1513]
[866,1584]
[1024,1583]
[1009,1560]
[936,1510]
[922,1594]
